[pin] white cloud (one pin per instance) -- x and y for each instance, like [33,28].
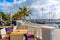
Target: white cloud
[47,8]
[7,6]
[37,5]
[52,2]
[16,2]
[5,3]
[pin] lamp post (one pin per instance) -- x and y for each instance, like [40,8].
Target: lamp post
[10,15]
[42,12]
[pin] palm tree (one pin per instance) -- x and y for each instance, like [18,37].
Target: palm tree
[23,12]
[17,15]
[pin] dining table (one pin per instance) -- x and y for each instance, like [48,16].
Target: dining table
[18,34]
[5,26]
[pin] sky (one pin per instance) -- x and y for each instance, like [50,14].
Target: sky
[41,9]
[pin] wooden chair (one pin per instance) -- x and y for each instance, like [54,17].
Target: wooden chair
[14,27]
[4,35]
[31,35]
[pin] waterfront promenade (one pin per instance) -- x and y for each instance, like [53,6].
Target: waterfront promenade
[40,31]
[43,32]
[36,29]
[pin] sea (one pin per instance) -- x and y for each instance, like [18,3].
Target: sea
[49,22]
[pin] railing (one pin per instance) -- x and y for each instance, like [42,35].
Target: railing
[35,29]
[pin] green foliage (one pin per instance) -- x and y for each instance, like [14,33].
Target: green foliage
[4,16]
[22,13]
[8,17]
[1,13]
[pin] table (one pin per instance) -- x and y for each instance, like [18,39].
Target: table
[18,34]
[5,26]
[8,28]
[21,31]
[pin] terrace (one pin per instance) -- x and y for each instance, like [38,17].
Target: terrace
[38,32]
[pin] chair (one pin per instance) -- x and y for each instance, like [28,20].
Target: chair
[3,34]
[30,36]
[9,30]
[15,27]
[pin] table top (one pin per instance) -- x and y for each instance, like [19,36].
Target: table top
[21,31]
[5,26]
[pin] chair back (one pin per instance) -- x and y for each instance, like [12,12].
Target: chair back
[3,32]
[15,27]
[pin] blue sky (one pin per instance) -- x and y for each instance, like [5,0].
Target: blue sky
[10,0]
[41,9]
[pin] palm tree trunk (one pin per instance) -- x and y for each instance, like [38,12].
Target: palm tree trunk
[24,17]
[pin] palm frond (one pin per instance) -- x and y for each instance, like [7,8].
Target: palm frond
[20,9]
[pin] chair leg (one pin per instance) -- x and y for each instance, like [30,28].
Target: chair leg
[9,38]
[26,38]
